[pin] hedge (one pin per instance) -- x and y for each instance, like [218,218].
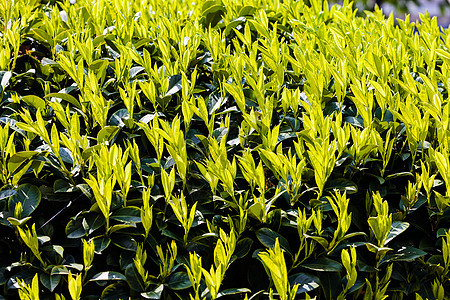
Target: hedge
[263,149]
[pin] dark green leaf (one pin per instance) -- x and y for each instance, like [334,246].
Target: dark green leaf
[178,281]
[175,85]
[306,282]
[59,270]
[30,197]
[135,70]
[49,281]
[400,174]
[125,242]
[116,118]
[62,186]
[2,275]
[267,237]
[406,254]
[330,284]
[155,294]
[127,214]
[109,275]
[396,229]
[101,244]
[441,232]
[116,291]
[84,225]
[7,193]
[322,264]
[243,247]
[233,291]
[66,155]
[341,184]
[134,280]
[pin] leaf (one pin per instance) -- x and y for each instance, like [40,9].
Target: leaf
[234,24]
[219,133]
[116,291]
[400,174]
[396,228]
[247,10]
[125,242]
[178,281]
[13,281]
[341,184]
[48,62]
[375,249]
[41,35]
[142,42]
[405,254]
[267,237]
[175,85]
[134,280]
[101,243]
[19,158]
[2,275]
[155,294]
[436,260]
[7,193]
[213,15]
[444,54]
[66,155]
[243,247]
[98,64]
[28,195]
[127,214]
[210,7]
[215,101]
[49,281]
[135,70]
[63,186]
[322,241]
[119,227]
[5,76]
[322,264]
[233,291]
[305,281]
[66,97]
[109,275]
[84,225]
[74,229]
[116,118]
[59,270]
[441,232]
[16,222]
[34,101]
[4,216]
[107,133]
[330,284]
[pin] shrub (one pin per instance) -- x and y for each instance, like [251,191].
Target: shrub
[259,149]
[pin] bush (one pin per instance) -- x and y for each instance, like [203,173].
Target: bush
[259,149]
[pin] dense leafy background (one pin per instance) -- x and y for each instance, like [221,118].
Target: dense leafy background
[228,149]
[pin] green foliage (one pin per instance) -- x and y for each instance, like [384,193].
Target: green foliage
[258,149]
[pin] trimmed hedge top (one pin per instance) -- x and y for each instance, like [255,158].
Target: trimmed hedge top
[259,149]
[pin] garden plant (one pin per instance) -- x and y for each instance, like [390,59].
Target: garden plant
[232,149]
